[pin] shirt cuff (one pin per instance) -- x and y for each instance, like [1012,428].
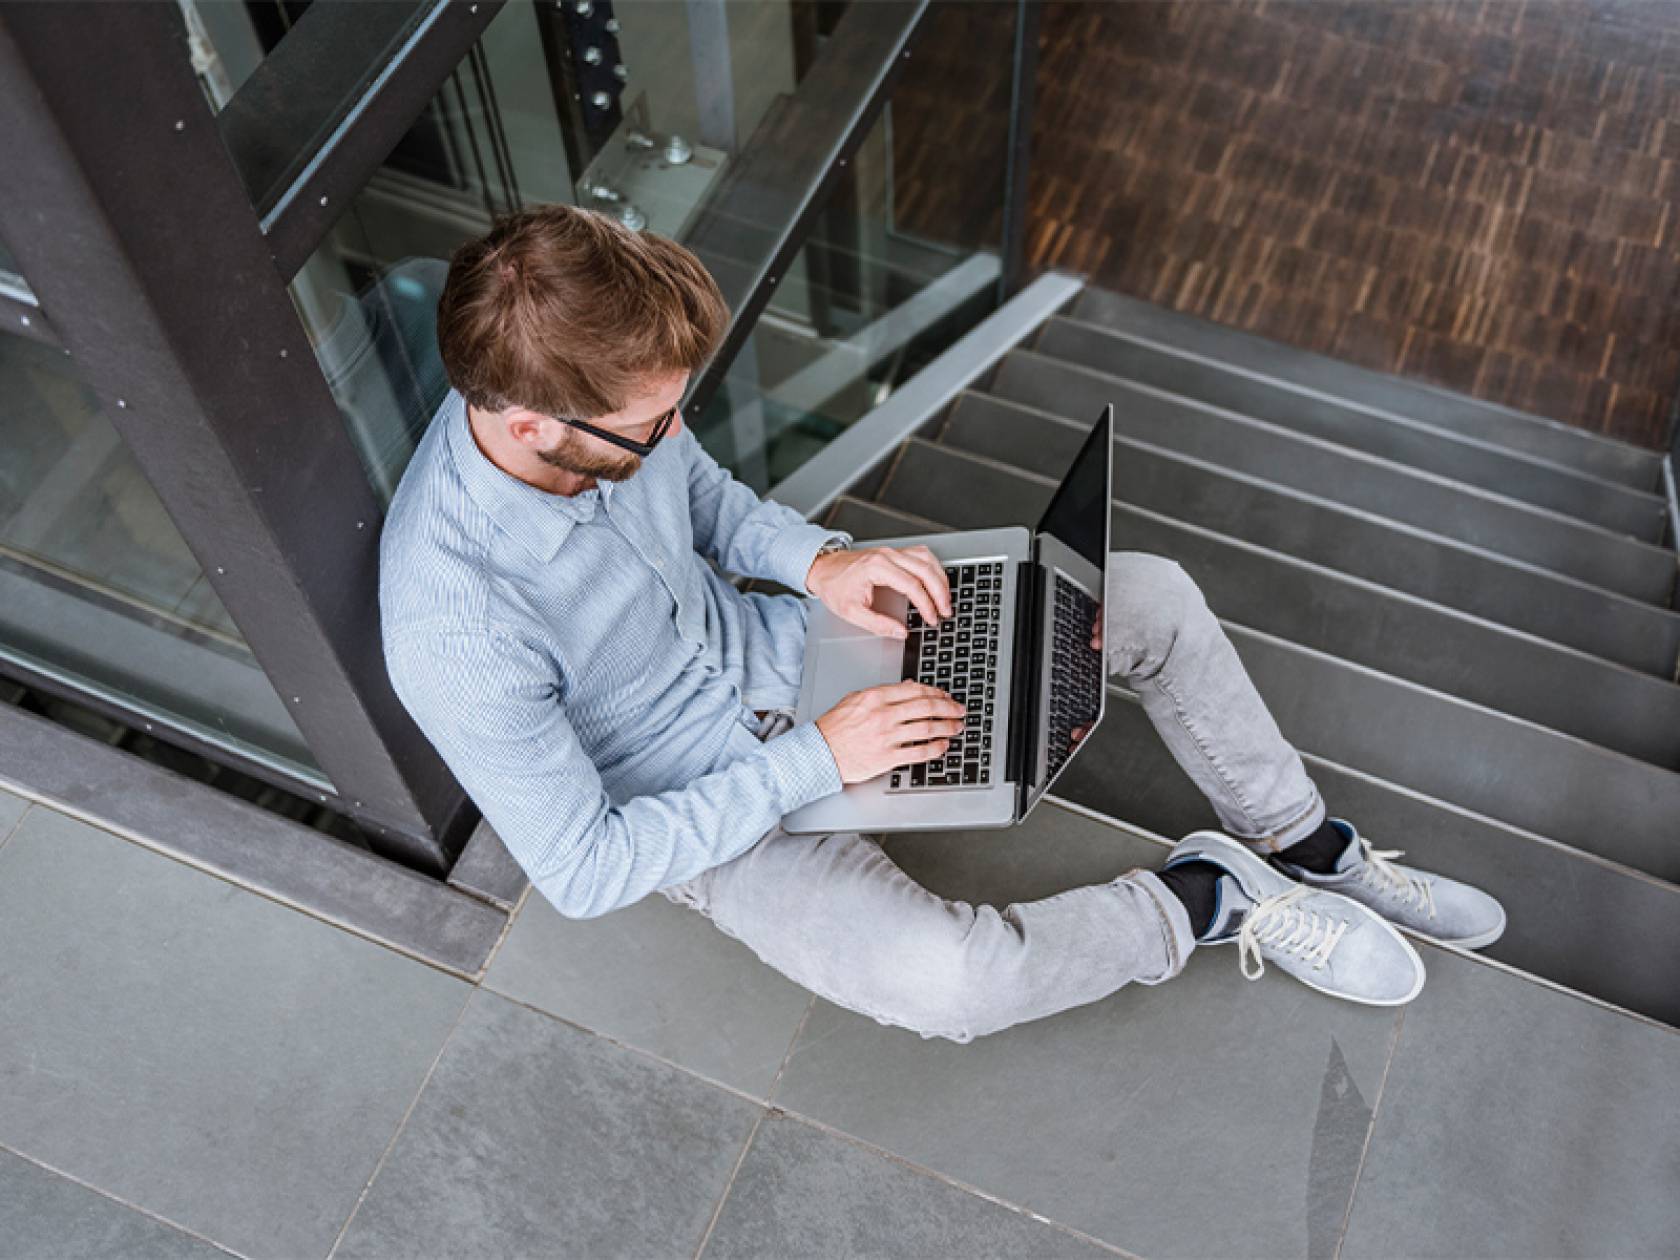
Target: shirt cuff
[794,551]
[803,766]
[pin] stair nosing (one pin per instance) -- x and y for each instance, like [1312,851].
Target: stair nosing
[1408,382]
[1351,452]
[1433,692]
[1442,540]
[1546,423]
[1097,816]
[1609,488]
[1352,579]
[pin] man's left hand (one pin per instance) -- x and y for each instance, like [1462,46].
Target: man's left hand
[845,581]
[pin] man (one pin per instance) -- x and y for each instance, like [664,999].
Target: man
[622,714]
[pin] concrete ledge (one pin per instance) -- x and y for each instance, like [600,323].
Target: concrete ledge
[486,870]
[248,846]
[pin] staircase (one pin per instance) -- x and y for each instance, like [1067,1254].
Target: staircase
[1461,615]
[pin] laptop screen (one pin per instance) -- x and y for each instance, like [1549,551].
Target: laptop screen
[1078,514]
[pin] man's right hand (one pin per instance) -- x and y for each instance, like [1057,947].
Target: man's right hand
[870,731]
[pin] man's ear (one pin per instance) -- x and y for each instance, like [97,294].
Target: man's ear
[527,428]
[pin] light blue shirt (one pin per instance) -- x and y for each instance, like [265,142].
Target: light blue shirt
[586,675]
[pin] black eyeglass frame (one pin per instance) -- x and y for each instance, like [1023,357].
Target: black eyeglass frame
[660,428]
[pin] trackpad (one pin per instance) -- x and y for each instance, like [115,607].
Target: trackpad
[848,665]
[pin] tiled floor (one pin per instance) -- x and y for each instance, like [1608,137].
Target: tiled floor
[188,1069]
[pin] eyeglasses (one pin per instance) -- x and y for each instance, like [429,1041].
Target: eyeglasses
[644,449]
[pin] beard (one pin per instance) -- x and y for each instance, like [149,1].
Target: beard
[565,456]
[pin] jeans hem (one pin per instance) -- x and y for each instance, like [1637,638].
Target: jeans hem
[1298,828]
[1178,941]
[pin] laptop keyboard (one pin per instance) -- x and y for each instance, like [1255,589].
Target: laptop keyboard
[1075,671]
[959,655]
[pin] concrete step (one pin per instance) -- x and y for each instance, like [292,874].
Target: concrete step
[1560,443]
[1597,926]
[1559,609]
[1045,441]
[1371,625]
[1533,480]
[1602,801]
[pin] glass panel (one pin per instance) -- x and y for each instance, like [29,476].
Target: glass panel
[282,74]
[489,141]
[864,303]
[97,586]
[12,283]
[863,306]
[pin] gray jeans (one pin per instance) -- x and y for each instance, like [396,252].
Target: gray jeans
[836,915]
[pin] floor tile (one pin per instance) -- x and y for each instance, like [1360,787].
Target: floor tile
[44,1216]
[803,1192]
[1519,1121]
[196,1050]
[660,977]
[1204,1116]
[534,1138]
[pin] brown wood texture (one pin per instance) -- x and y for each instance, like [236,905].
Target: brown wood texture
[1476,193]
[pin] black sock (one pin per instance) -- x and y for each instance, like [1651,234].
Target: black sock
[1319,851]
[1194,883]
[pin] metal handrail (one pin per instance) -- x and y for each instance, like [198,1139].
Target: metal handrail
[852,455]
[778,188]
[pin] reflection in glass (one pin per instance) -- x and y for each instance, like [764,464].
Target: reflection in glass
[368,296]
[862,305]
[97,586]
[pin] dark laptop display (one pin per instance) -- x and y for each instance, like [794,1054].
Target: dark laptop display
[1072,683]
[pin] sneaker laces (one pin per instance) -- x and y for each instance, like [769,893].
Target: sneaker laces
[1380,873]
[1283,926]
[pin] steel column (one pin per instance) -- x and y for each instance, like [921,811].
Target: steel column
[136,233]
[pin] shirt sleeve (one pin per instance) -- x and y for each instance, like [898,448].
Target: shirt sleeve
[490,707]
[747,535]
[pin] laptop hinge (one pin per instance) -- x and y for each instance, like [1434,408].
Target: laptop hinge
[1023,689]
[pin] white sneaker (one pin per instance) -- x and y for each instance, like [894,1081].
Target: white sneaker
[1323,939]
[1435,907]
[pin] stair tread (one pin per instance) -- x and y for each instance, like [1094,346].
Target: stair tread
[1598,453]
[1521,772]
[1549,605]
[1439,647]
[1065,349]
[1045,441]
[1140,786]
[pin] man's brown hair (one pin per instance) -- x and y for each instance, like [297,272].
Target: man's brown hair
[568,312]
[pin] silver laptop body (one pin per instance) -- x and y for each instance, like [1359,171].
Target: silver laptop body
[1016,651]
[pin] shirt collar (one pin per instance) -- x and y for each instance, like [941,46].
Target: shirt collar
[538,519]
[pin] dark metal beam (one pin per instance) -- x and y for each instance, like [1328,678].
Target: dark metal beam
[307,83]
[762,213]
[306,209]
[136,232]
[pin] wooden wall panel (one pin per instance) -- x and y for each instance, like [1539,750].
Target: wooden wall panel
[1477,193]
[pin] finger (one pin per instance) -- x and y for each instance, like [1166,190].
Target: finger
[898,574]
[923,706]
[866,618]
[927,566]
[930,728]
[909,689]
[913,753]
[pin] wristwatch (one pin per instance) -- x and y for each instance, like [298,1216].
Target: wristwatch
[833,545]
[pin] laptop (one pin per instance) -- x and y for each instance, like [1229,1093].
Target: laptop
[1016,651]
